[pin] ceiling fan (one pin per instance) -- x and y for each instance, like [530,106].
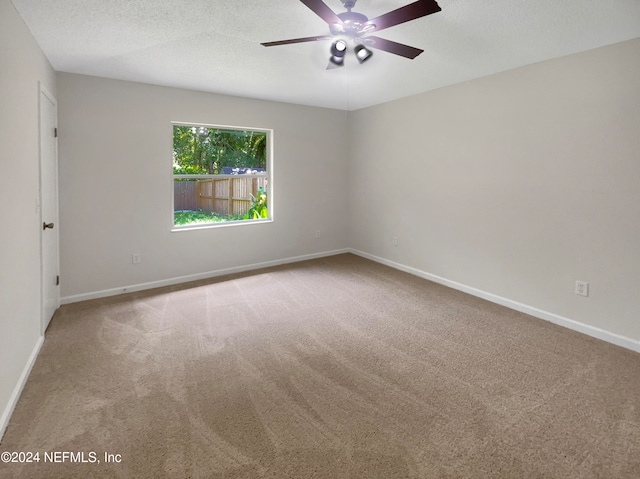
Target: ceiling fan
[355,25]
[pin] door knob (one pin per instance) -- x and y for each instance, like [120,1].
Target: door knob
[47,225]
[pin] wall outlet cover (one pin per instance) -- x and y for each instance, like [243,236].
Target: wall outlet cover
[582,288]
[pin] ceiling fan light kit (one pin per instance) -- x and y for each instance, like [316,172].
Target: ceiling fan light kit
[354,26]
[338,51]
[362,53]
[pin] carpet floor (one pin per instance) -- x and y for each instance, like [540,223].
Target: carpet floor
[332,368]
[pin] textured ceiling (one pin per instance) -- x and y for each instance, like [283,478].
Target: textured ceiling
[214,45]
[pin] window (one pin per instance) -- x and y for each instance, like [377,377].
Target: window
[220,175]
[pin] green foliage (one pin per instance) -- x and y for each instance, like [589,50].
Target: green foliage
[181,218]
[202,150]
[258,206]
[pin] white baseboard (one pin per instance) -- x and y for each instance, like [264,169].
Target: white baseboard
[592,331]
[17,390]
[195,277]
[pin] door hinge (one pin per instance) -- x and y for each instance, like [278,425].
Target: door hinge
[58,280]
[55,133]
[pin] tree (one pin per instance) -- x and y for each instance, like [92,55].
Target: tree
[202,150]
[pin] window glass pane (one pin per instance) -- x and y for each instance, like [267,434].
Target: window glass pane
[214,200]
[200,150]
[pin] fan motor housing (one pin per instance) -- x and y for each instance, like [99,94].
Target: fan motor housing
[354,22]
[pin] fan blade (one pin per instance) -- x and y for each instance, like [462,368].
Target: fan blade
[407,13]
[393,47]
[323,11]
[296,40]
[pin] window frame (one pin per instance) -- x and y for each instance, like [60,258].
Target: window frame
[268,177]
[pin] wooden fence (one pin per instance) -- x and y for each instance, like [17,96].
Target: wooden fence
[184,196]
[228,195]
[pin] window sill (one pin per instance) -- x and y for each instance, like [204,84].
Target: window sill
[223,224]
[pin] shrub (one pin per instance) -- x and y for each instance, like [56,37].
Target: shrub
[258,206]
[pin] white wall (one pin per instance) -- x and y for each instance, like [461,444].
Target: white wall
[115,184]
[22,66]
[517,185]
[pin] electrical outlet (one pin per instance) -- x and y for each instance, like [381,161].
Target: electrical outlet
[317,233]
[394,240]
[582,288]
[135,258]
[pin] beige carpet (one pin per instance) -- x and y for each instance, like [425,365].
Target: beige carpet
[332,368]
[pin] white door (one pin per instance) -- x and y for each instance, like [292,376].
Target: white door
[49,207]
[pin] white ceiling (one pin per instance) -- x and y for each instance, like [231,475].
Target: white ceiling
[214,45]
